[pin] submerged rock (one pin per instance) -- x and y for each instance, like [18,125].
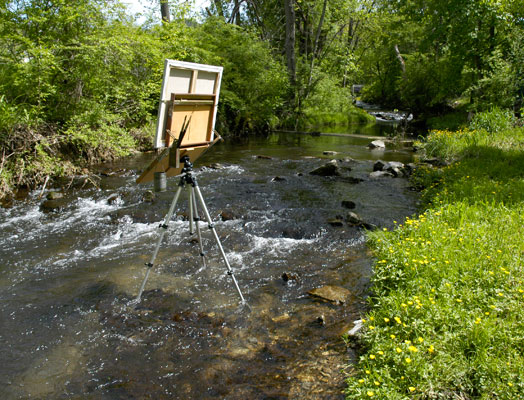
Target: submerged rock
[148,196]
[264,157]
[351,180]
[214,166]
[334,294]
[281,318]
[330,153]
[227,215]
[53,205]
[329,169]
[336,222]
[348,204]
[54,195]
[114,198]
[289,276]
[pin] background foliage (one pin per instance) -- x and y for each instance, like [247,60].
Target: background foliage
[79,81]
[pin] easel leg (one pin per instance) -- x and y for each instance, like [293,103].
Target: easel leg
[212,227]
[163,228]
[197,224]
[191,211]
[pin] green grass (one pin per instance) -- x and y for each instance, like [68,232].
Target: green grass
[316,118]
[453,120]
[445,318]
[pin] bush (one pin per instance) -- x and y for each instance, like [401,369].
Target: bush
[493,121]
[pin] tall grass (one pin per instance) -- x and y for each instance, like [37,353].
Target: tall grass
[445,318]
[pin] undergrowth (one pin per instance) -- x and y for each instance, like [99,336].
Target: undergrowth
[445,314]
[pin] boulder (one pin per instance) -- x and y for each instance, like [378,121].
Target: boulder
[396,172]
[264,157]
[379,165]
[377,144]
[348,204]
[330,153]
[331,293]
[380,174]
[278,179]
[354,219]
[395,164]
[329,169]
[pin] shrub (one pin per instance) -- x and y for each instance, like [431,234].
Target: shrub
[493,120]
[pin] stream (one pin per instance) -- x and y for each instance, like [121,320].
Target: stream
[68,329]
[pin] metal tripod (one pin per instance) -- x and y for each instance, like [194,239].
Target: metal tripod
[194,193]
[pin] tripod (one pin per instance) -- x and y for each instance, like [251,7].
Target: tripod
[194,193]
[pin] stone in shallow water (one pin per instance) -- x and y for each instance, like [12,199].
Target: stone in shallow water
[379,165]
[54,195]
[289,276]
[380,174]
[53,205]
[329,169]
[377,144]
[335,294]
[348,204]
[336,222]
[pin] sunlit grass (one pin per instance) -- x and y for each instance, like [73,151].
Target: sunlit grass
[448,293]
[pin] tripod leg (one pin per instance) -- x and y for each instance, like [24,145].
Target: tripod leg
[212,227]
[191,211]
[197,220]
[163,229]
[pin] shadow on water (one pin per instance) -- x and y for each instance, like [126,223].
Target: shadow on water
[67,278]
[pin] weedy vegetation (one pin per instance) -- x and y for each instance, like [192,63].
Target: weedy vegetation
[445,319]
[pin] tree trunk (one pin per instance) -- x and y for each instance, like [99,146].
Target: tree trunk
[164,10]
[401,61]
[289,9]
[315,45]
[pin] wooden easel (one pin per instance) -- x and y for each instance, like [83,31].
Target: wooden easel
[189,93]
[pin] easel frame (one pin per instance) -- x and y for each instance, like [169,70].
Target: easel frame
[191,84]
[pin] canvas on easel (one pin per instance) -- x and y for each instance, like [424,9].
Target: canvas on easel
[189,93]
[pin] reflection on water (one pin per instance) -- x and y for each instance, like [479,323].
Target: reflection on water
[67,278]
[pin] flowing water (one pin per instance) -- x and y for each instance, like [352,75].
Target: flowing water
[68,329]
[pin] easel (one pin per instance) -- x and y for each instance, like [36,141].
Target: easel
[185,129]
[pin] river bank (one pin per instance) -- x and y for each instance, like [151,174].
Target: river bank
[445,314]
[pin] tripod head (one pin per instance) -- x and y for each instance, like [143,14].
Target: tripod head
[188,165]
